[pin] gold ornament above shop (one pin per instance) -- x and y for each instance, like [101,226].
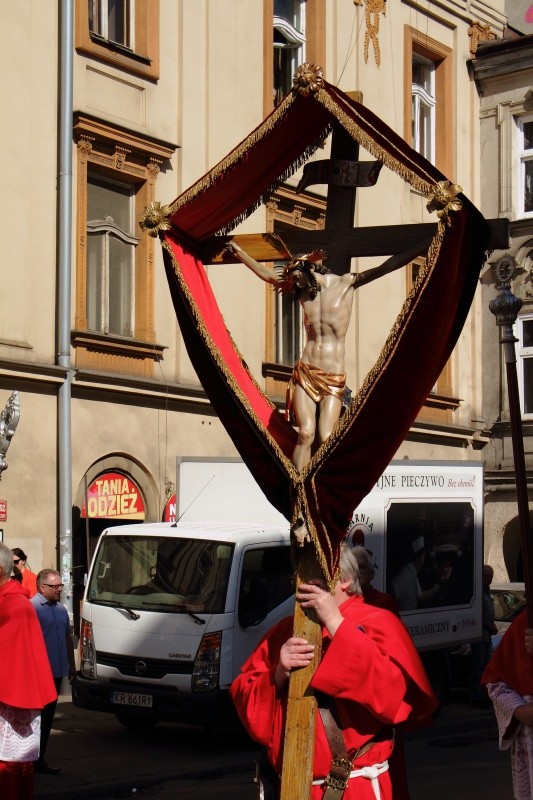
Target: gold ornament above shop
[373,8]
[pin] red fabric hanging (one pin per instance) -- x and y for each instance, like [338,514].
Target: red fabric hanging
[346,467]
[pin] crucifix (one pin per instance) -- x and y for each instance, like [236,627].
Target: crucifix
[343,174]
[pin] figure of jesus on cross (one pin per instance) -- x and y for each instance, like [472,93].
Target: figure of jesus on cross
[316,388]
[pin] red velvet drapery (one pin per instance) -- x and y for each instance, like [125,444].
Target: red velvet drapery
[346,467]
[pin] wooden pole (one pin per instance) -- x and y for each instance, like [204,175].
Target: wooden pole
[505,307]
[297,773]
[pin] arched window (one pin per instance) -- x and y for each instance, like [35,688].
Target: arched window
[423,107]
[110,258]
[289,43]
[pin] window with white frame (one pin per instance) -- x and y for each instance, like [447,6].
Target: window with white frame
[525,133]
[289,43]
[113,20]
[289,329]
[524,333]
[110,293]
[423,107]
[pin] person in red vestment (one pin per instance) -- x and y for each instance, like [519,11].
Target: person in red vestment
[26,684]
[508,680]
[29,578]
[372,596]
[370,668]
[367,571]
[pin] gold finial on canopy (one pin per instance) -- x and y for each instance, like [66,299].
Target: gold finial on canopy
[308,79]
[155,218]
[443,199]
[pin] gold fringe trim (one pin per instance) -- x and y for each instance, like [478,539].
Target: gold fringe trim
[221,364]
[394,160]
[394,163]
[240,152]
[290,170]
[331,578]
[235,156]
[386,353]
[299,505]
[300,509]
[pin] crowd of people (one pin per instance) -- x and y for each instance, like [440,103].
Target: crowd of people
[36,652]
[370,683]
[364,636]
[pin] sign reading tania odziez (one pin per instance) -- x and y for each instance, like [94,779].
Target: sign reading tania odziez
[113,495]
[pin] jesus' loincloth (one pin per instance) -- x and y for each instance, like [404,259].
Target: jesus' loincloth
[317,383]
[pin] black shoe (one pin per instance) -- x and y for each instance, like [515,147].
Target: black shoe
[46,769]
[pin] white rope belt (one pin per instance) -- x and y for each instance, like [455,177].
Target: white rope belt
[370,773]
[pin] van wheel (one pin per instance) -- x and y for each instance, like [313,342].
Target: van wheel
[134,721]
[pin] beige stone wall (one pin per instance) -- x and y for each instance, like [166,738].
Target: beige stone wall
[208,97]
[29,485]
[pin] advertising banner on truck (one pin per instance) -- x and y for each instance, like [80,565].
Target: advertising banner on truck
[423,523]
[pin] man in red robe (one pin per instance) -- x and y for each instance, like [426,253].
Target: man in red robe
[369,667]
[26,684]
[508,680]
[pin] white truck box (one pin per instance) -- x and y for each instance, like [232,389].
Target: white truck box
[171,611]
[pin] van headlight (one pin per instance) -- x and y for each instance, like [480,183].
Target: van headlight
[206,668]
[87,651]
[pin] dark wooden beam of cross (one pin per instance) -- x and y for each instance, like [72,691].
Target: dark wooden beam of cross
[343,173]
[364,242]
[297,772]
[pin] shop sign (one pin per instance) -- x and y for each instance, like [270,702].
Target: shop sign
[113,496]
[169,512]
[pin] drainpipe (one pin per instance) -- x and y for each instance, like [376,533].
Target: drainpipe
[64,435]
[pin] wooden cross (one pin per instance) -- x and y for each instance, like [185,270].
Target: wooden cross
[343,174]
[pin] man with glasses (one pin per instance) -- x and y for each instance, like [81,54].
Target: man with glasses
[55,625]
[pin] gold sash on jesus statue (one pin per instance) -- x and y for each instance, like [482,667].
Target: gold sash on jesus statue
[316,382]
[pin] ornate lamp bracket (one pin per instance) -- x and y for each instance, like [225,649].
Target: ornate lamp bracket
[9,419]
[505,306]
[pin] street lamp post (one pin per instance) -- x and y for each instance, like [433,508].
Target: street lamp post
[505,307]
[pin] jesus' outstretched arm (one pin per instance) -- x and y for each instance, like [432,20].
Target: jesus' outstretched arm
[265,273]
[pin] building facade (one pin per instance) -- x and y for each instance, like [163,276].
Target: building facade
[162,90]
[503,72]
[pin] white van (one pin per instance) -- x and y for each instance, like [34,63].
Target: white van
[171,612]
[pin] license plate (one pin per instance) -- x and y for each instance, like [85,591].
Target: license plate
[132,699]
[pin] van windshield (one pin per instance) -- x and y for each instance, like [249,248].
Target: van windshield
[161,574]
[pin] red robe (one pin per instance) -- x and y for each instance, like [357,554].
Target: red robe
[372,670]
[29,582]
[380,599]
[511,663]
[25,675]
